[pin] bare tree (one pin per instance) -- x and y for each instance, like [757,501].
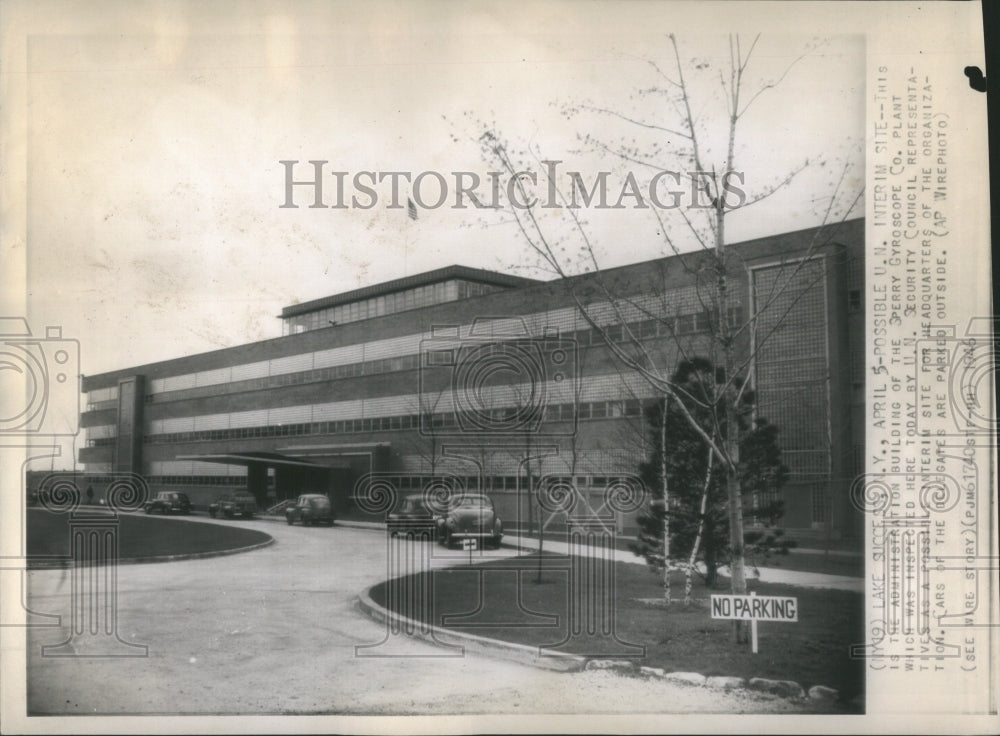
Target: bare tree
[426,443]
[735,337]
[703,508]
[519,407]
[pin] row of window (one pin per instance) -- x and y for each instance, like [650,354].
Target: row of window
[761,500]
[643,330]
[350,370]
[685,324]
[377,306]
[197,480]
[443,420]
[83,479]
[106,404]
[490,483]
[411,483]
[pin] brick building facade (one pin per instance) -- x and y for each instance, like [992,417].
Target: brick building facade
[463,373]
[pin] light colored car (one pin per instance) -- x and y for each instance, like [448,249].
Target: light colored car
[470,516]
[310,508]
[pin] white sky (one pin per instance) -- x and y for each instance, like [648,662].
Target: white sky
[154,136]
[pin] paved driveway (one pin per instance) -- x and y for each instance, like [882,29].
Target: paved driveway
[275,631]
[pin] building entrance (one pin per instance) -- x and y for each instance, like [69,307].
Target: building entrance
[272,477]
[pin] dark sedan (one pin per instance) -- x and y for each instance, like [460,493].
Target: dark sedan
[412,516]
[310,508]
[470,516]
[169,502]
[233,504]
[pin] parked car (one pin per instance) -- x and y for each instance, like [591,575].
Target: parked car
[169,502]
[470,516]
[412,515]
[310,508]
[233,504]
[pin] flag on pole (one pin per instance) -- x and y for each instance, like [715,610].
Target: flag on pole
[411,209]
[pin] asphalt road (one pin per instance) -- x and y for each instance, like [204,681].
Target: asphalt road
[274,631]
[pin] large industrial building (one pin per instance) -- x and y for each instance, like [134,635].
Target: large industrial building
[492,379]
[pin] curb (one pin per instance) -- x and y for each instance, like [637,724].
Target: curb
[529,655]
[348,523]
[521,653]
[788,689]
[525,654]
[358,524]
[57,564]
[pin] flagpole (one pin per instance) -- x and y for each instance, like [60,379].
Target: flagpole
[411,212]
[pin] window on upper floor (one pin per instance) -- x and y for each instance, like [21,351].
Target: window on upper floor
[854,302]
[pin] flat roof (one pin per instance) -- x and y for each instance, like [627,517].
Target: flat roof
[480,275]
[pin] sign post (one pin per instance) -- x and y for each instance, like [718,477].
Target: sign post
[469,544]
[754,608]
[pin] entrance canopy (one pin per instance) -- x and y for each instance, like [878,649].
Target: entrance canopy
[338,449]
[272,476]
[322,468]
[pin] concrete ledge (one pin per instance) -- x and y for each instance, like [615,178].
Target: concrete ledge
[350,523]
[485,646]
[66,562]
[823,693]
[372,525]
[784,688]
[615,665]
[688,678]
[722,682]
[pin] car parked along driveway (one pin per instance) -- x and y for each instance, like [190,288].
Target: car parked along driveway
[310,508]
[470,516]
[169,502]
[230,505]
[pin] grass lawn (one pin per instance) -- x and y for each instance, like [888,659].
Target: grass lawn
[141,536]
[828,564]
[813,651]
[833,564]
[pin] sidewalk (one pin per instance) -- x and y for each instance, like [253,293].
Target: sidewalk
[809,546]
[361,524]
[766,574]
[832,552]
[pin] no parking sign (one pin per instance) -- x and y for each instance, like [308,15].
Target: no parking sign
[754,608]
[471,545]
